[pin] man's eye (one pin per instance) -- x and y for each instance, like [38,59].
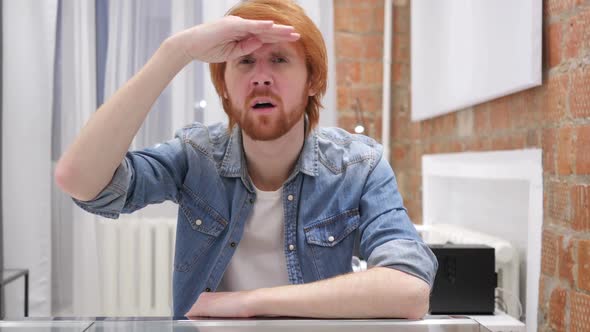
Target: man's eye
[279,60]
[246,61]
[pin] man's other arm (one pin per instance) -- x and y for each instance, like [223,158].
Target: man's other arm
[379,292]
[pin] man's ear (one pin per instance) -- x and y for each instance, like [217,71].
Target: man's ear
[310,91]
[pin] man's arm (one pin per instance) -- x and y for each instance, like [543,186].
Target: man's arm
[379,292]
[88,165]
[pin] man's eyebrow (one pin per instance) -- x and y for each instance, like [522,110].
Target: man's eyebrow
[240,58]
[281,53]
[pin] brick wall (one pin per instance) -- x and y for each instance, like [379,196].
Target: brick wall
[359,67]
[554,117]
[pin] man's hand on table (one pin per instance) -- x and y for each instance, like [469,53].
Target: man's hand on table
[224,304]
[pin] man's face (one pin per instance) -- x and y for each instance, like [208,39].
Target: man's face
[268,90]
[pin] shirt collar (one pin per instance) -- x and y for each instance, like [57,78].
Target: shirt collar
[234,159]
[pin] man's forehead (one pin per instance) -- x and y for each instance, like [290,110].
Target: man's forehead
[285,48]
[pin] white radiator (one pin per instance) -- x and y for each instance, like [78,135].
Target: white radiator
[507,262]
[136,263]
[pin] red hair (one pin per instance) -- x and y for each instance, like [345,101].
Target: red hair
[285,12]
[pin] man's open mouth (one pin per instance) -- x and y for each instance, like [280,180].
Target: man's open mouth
[263,104]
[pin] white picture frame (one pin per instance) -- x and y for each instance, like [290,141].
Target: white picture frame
[466,52]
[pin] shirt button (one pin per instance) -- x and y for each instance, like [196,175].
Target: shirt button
[290,197]
[331,238]
[233,244]
[198,222]
[291,247]
[207,289]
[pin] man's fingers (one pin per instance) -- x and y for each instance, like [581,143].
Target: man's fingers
[254,26]
[276,39]
[281,29]
[246,46]
[253,43]
[265,31]
[258,27]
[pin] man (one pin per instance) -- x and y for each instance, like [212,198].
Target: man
[269,206]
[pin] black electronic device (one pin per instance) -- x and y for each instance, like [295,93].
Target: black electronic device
[465,281]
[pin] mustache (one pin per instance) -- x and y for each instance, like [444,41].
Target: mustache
[262,94]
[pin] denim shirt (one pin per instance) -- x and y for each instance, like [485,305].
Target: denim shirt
[340,199]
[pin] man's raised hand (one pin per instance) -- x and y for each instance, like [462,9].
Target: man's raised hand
[231,37]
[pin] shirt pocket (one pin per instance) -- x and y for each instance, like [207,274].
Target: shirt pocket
[331,243]
[198,228]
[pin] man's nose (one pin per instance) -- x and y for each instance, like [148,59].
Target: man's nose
[262,82]
[261,78]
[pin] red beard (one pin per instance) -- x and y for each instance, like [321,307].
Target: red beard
[267,126]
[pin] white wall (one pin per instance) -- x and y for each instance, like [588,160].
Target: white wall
[466,52]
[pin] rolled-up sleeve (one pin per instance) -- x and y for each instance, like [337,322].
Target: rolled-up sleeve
[110,201]
[412,257]
[388,237]
[149,176]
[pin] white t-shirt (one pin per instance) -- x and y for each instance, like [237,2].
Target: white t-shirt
[259,260]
